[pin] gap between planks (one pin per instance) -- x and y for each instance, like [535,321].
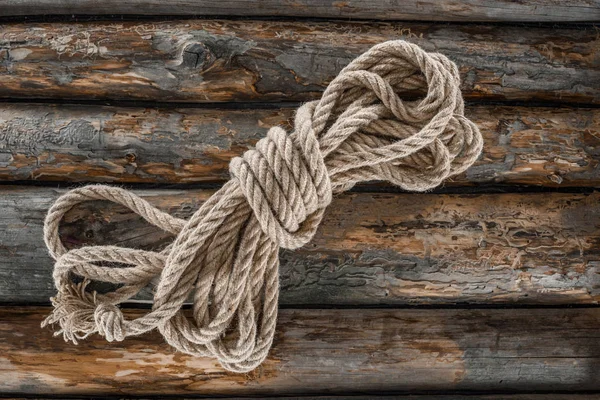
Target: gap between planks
[461,395]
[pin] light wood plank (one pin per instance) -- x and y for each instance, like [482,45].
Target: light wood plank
[337,351]
[244,60]
[371,248]
[555,147]
[412,10]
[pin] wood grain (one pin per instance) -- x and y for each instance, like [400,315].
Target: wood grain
[219,60]
[412,10]
[523,145]
[393,249]
[316,351]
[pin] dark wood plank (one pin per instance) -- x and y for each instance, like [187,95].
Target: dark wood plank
[555,147]
[214,61]
[371,248]
[316,351]
[412,10]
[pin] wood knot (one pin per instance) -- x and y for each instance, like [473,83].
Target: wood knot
[130,158]
[197,56]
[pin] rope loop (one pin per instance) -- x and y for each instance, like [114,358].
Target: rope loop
[225,257]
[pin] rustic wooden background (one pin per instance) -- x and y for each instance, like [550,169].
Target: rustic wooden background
[486,287]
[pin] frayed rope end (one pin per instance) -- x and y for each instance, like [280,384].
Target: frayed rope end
[79,315]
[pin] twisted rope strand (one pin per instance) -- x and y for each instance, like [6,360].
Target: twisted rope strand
[226,254]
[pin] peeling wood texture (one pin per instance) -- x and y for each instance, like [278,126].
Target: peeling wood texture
[556,147]
[412,10]
[215,61]
[316,351]
[371,248]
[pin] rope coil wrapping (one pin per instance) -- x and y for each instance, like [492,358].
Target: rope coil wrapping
[226,254]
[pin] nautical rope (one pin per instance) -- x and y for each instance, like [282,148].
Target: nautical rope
[226,255]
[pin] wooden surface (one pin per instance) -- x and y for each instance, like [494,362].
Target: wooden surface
[371,248]
[489,286]
[316,351]
[219,60]
[429,10]
[554,147]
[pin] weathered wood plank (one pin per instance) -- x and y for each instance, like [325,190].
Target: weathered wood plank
[337,351]
[371,248]
[523,145]
[412,10]
[214,61]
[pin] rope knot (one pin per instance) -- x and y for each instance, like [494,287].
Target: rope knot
[109,322]
[225,256]
[287,189]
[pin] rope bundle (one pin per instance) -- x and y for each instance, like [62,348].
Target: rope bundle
[226,254]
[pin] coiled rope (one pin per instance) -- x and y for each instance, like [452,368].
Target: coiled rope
[226,254]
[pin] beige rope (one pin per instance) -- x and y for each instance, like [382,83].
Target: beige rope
[226,254]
